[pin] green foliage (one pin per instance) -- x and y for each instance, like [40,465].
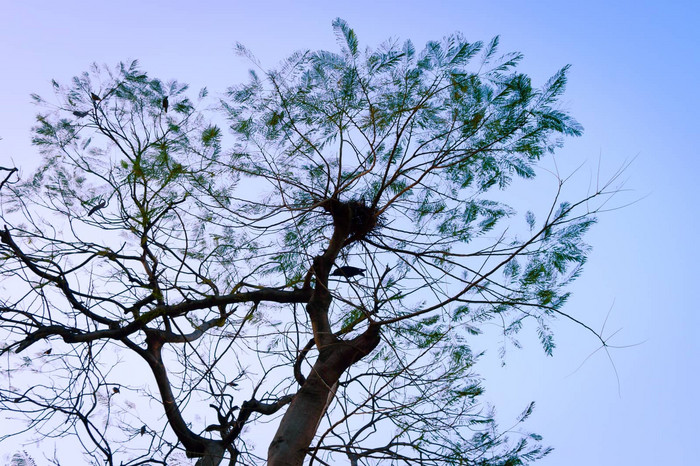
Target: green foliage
[22,459]
[388,159]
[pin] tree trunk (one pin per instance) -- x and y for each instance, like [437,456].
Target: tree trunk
[212,456]
[298,427]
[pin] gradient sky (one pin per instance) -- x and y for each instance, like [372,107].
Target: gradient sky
[633,86]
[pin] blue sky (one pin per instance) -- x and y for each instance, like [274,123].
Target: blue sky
[633,86]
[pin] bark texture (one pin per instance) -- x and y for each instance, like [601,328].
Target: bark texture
[298,426]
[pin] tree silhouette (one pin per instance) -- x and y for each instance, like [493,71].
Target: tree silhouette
[195,307]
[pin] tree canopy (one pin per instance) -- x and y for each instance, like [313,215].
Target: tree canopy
[323,275]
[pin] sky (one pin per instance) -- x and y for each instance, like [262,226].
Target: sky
[632,85]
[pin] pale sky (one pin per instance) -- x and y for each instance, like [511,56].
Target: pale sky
[633,86]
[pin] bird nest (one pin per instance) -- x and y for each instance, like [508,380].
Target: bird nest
[362,220]
[365,219]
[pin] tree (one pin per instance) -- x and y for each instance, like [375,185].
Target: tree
[227,275]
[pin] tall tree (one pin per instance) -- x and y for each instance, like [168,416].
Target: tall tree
[328,273]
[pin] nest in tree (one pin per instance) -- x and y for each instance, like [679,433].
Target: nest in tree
[361,219]
[364,219]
